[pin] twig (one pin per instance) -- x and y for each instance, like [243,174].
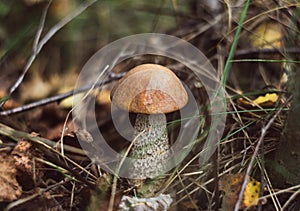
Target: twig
[41,27]
[262,177]
[56,98]
[37,47]
[263,134]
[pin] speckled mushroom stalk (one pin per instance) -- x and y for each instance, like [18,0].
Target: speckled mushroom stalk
[150,91]
[151,145]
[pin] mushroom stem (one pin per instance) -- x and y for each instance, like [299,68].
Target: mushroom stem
[151,146]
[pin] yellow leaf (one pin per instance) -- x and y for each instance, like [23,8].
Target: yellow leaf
[251,193]
[231,184]
[267,35]
[268,100]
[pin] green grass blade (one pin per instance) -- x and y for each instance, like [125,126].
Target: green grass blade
[234,44]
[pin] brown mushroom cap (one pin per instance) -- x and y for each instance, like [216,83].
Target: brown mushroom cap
[149,89]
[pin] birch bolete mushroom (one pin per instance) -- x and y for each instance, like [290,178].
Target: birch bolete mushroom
[151,91]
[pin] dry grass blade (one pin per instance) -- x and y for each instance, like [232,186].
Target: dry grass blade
[17,135]
[46,145]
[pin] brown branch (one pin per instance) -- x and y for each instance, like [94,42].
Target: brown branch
[59,97]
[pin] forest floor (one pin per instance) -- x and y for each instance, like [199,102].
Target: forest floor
[253,47]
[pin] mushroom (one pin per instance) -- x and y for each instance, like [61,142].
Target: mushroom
[151,91]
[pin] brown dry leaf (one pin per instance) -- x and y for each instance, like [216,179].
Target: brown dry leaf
[24,153]
[56,131]
[9,187]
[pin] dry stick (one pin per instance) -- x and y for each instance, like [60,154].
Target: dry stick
[263,134]
[262,177]
[39,45]
[41,27]
[112,77]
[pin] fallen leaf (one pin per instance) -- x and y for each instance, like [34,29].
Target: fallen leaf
[24,154]
[9,187]
[268,100]
[267,35]
[251,193]
[231,184]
